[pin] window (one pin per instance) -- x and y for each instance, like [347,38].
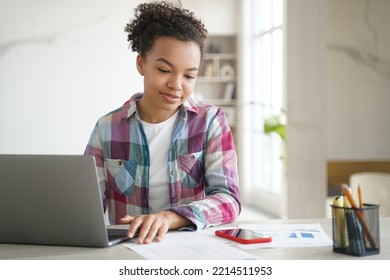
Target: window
[264,98]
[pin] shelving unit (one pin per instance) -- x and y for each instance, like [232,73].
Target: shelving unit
[217,80]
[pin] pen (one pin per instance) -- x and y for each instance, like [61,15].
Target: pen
[359,215]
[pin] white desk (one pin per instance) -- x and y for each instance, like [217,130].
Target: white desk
[119,252]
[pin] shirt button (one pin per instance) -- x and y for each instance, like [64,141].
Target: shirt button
[171,172]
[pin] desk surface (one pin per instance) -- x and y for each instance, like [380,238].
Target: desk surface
[120,252]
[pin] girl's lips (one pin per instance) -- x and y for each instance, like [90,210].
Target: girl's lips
[171,95]
[171,98]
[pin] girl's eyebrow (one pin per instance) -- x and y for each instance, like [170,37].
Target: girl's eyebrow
[161,59]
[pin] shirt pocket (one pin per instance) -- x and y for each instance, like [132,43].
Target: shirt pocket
[191,169]
[120,175]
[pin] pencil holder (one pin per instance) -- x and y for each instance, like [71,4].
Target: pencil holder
[356,231]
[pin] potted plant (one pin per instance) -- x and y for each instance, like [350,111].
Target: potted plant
[276,124]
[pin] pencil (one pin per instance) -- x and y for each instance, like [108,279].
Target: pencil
[360,196]
[359,215]
[349,196]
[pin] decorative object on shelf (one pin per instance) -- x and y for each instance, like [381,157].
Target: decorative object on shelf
[209,70]
[227,71]
[229,92]
[214,47]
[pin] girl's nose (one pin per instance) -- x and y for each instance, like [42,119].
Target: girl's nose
[175,83]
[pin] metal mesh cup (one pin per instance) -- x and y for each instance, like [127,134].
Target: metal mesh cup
[356,231]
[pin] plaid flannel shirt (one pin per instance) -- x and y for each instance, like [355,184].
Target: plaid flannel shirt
[201,164]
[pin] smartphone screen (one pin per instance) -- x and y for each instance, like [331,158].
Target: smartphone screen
[243,236]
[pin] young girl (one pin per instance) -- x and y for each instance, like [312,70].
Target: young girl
[166,161]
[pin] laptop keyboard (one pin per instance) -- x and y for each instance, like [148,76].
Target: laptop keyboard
[112,237]
[115,234]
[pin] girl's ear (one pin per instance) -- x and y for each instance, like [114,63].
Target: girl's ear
[140,64]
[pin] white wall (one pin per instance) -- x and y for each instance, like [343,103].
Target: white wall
[65,63]
[358,80]
[220,17]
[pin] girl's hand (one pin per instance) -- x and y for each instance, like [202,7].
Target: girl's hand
[153,226]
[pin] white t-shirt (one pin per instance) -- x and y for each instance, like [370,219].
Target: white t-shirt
[159,139]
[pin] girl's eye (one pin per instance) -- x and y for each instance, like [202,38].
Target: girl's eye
[190,77]
[163,70]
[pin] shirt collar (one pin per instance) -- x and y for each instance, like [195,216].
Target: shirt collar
[130,106]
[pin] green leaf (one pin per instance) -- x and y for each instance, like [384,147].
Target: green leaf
[276,124]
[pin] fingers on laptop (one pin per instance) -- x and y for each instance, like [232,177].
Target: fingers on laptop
[151,227]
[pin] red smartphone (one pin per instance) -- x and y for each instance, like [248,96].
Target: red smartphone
[243,236]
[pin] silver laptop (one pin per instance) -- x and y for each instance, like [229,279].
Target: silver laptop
[53,200]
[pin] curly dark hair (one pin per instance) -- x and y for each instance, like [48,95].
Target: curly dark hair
[158,19]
